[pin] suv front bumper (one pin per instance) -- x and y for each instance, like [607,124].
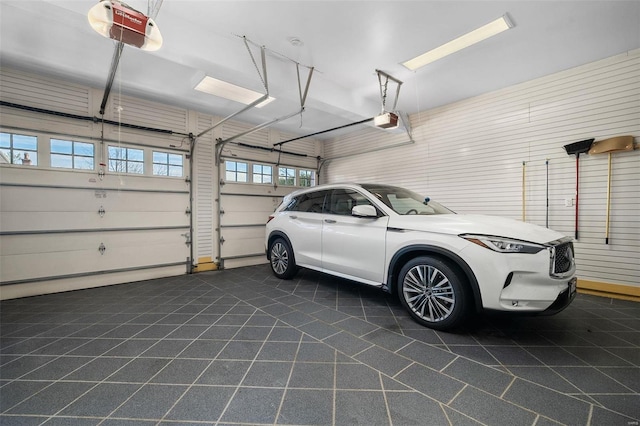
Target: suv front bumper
[564,299]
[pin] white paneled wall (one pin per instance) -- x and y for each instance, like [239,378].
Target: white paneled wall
[469,155]
[205,189]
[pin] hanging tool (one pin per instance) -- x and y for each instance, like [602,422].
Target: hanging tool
[609,146]
[546,163]
[576,149]
[524,206]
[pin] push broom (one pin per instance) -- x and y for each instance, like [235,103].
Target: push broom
[576,149]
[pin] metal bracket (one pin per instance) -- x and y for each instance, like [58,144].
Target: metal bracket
[222,182]
[188,211]
[221,211]
[222,240]
[102,248]
[187,179]
[383,89]
[101,211]
[187,237]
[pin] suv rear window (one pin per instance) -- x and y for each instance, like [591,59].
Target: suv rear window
[311,202]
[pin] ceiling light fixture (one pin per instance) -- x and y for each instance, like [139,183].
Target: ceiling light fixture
[473,37]
[119,21]
[229,91]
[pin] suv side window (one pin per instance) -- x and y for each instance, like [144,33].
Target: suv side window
[343,200]
[310,202]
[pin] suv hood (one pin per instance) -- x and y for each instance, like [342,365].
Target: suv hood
[475,224]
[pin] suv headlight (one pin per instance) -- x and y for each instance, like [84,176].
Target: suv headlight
[503,245]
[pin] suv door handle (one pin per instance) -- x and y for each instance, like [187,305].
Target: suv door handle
[330,221]
[293,217]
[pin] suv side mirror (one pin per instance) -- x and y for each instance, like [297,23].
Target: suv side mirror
[364,211]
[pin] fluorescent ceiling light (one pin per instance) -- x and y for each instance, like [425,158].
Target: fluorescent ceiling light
[220,88]
[473,37]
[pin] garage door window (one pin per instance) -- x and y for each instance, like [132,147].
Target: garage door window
[262,173]
[18,149]
[286,176]
[126,160]
[236,171]
[72,155]
[307,177]
[166,164]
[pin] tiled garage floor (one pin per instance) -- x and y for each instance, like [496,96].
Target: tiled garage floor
[241,347]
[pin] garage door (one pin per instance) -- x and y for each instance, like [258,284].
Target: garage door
[253,180]
[242,224]
[66,221]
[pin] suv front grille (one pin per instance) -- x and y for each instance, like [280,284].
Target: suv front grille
[562,260]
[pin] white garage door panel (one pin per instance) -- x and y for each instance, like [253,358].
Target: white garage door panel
[243,241]
[245,218]
[135,201]
[235,203]
[24,257]
[231,188]
[247,210]
[41,177]
[29,208]
[70,241]
[54,221]
[43,199]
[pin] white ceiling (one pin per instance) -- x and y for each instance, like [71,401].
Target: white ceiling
[346,41]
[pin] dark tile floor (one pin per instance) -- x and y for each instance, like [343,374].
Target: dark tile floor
[241,347]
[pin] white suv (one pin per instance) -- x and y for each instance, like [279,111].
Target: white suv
[441,264]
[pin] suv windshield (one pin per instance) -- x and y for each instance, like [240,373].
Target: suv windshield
[404,201]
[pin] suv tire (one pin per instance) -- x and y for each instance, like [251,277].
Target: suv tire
[433,293]
[281,259]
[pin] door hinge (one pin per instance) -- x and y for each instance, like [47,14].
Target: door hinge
[102,248]
[187,237]
[222,240]
[188,211]
[101,211]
